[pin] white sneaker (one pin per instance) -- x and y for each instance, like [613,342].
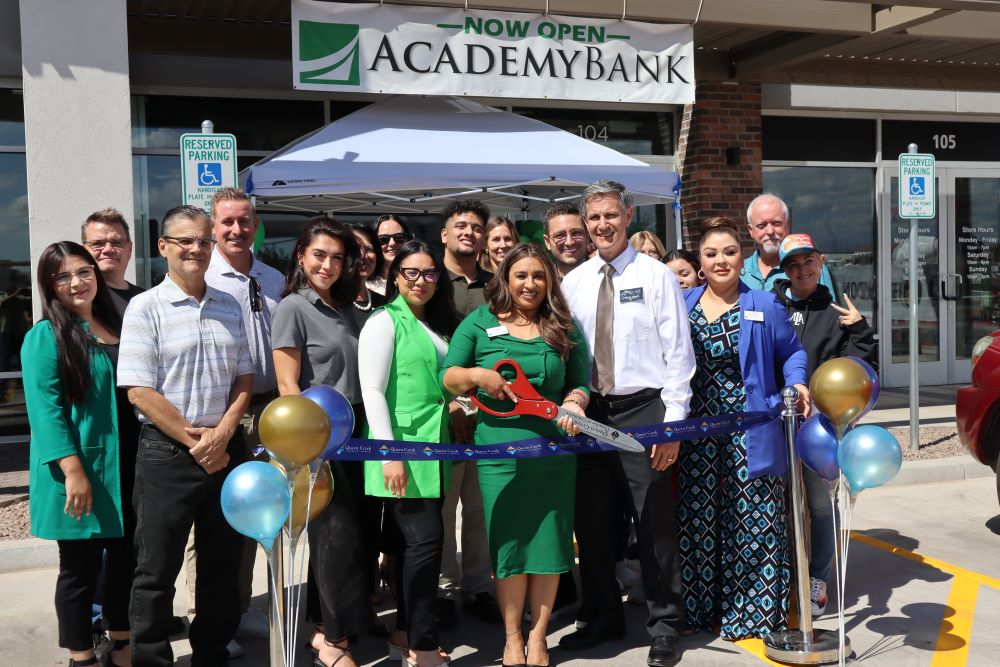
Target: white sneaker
[626,576]
[234,649]
[817,596]
[254,623]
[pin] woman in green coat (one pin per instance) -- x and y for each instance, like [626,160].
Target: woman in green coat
[528,502]
[75,478]
[403,345]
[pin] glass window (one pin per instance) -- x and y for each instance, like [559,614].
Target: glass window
[977,261]
[159,121]
[836,206]
[15,288]
[630,132]
[11,117]
[827,139]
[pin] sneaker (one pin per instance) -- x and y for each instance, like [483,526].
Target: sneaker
[626,576]
[234,649]
[817,595]
[254,623]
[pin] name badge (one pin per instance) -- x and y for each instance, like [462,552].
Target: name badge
[754,315]
[630,295]
[501,330]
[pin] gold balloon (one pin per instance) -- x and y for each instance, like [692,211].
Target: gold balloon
[322,493]
[841,389]
[294,430]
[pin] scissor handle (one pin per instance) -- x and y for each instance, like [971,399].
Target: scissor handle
[530,402]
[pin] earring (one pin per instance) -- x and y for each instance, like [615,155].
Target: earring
[701,274]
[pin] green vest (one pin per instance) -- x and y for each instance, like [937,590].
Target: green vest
[59,429]
[418,406]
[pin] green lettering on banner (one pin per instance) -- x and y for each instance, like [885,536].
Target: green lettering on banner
[547,30]
[595,34]
[493,27]
[517,28]
[473,25]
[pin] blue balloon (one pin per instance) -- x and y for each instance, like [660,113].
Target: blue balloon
[869,456]
[340,412]
[816,443]
[256,501]
[876,385]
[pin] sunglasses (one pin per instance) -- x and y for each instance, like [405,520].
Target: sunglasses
[398,237]
[411,275]
[256,301]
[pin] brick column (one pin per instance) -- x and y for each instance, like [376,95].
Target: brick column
[724,116]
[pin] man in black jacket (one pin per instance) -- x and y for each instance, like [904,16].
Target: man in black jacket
[827,331]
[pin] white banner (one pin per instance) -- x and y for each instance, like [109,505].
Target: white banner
[364,48]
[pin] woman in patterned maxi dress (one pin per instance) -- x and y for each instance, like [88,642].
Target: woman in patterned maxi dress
[734,562]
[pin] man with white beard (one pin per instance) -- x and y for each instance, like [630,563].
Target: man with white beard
[769,224]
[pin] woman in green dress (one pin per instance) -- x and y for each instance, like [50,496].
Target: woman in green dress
[528,502]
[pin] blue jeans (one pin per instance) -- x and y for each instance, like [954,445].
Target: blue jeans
[821,514]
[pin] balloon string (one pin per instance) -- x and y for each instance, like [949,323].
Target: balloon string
[297,589]
[837,537]
[292,474]
[275,598]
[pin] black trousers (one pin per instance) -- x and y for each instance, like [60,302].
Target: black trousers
[172,492]
[652,498]
[422,527]
[80,564]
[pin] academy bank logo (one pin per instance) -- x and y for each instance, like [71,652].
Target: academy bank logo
[329,53]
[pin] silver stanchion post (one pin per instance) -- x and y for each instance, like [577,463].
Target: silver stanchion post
[275,562]
[805,646]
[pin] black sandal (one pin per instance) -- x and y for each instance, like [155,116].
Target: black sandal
[82,663]
[113,645]
[344,652]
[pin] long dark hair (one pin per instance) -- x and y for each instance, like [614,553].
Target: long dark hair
[369,233]
[554,319]
[439,312]
[73,344]
[345,290]
[684,256]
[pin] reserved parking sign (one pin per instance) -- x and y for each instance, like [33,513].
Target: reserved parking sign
[917,191]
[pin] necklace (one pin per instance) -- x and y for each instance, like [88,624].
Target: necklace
[365,308]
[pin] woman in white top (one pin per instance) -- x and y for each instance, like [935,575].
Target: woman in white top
[403,345]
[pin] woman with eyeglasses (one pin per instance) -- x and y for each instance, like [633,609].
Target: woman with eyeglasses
[403,345]
[314,335]
[371,266]
[528,502]
[81,472]
[391,233]
[501,235]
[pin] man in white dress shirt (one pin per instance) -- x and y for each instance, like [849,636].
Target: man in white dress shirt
[630,309]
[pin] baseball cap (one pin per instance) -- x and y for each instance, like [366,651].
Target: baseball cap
[795,244]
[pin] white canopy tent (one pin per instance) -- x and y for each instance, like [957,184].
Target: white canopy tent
[408,154]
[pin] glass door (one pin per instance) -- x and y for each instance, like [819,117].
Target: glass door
[971,286]
[895,288]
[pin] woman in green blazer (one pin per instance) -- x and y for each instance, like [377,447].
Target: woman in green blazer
[75,478]
[403,345]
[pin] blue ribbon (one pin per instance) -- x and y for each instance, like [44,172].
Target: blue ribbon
[357,449]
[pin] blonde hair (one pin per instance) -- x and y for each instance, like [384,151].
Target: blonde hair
[229,194]
[639,239]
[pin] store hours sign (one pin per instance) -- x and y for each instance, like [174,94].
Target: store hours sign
[366,48]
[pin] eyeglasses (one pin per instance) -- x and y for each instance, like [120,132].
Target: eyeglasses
[256,302]
[411,275]
[86,274]
[189,243]
[576,235]
[100,245]
[398,237]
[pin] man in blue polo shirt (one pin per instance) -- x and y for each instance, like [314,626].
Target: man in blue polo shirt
[769,224]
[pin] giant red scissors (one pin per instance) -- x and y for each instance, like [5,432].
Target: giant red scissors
[530,402]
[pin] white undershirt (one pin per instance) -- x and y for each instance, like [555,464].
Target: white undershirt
[375,351]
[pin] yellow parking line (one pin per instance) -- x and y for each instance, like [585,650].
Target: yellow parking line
[755,647]
[952,648]
[927,560]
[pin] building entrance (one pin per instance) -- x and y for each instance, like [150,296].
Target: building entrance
[959,275]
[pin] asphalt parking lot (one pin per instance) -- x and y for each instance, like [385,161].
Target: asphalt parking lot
[923,589]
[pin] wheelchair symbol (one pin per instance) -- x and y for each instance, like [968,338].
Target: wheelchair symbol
[917,186]
[209,173]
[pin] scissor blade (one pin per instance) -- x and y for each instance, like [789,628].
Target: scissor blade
[603,432]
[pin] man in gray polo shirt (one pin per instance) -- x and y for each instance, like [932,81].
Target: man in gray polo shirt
[184,358]
[257,287]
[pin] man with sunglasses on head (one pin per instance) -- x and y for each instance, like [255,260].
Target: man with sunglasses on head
[105,235]
[257,287]
[186,363]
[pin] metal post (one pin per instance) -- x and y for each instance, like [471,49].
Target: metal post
[207,127]
[275,562]
[807,645]
[914,329]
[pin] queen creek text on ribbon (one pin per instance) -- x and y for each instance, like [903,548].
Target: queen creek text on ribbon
[357,449]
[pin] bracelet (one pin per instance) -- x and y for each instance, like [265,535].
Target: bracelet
[585,400]
[573,400]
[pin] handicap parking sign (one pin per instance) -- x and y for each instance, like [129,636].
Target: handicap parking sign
[917,186]
[210,173]
[917,194]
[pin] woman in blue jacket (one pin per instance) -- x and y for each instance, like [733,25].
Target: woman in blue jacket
[734,562]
